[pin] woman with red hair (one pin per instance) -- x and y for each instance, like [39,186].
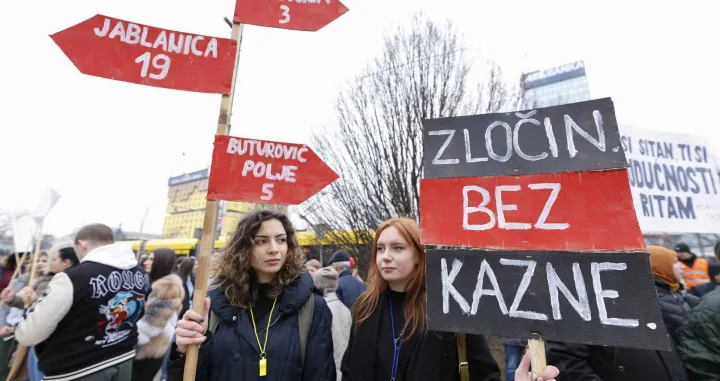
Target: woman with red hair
[389,339]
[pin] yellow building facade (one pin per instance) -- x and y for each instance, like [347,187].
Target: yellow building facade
[186,208]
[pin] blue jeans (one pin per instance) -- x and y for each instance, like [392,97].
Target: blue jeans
[513,354]
[32,365]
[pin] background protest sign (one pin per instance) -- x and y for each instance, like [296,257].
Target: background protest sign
[674,181]
[599,290]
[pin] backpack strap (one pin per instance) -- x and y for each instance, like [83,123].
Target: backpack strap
[305,318]
[462,358]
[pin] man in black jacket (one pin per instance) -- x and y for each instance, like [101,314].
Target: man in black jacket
[84,327]
[349,288]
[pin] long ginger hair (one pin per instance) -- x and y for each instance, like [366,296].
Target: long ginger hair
[415,304]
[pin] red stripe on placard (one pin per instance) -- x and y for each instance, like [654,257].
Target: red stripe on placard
[579,211]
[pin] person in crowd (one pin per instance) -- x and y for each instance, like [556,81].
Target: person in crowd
[85,327]
[513,348]
[694,269]
[9,266]
[312,266]
[28,294]
[595,363]
[7,324]
[705,288]
[349,288]
[141,259]
[61,260]
[355,271]
[185,271]
[389,339]
[266,321]
[326,279]
[699,335]
[155,329]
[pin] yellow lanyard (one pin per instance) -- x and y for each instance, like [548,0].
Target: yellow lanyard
[262,348]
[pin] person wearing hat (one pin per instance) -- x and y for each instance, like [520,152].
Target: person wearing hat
[695,271]
[348,288]
[326,279]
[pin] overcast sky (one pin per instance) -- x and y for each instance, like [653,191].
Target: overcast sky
[109,147]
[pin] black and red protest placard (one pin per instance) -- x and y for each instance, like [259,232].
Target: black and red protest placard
[268,172]
[544,195]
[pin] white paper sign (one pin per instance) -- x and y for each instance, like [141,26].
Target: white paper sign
[674,181]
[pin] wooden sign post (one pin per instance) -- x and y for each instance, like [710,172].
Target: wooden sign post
[543,196]
[208,232]
[121,50]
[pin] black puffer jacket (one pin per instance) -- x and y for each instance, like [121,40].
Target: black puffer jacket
[674,306]
[578,362]
[232,352]
[699,344]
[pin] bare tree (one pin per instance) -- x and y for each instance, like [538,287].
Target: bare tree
[377,146]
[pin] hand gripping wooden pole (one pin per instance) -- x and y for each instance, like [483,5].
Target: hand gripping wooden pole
[208,232]
[538,363]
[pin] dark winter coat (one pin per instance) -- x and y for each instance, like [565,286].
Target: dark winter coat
[699,344]
[578,362]
[232,352]
[674,306]
[434,357]
[349,289]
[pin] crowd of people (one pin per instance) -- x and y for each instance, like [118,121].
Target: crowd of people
[97,311]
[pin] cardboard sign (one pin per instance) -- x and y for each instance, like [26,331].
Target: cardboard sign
[556,211]
[125,51]
[306,15]
[575,137]
[261,171]
[552,179]
[674,181]
[592,298]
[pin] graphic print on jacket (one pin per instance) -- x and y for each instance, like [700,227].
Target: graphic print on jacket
[121,313]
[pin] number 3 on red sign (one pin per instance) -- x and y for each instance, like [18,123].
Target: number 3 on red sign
[286,14]
[156,63]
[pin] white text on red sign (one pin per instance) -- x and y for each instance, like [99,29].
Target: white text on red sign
[168,42]
[268,150]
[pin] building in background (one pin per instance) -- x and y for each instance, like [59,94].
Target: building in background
[186,208]
[556,86]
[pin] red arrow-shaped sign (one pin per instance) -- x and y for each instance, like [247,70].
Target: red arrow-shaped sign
[265,172]
[125,51]
[307,15]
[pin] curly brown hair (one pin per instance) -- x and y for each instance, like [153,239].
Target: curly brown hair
[234,272]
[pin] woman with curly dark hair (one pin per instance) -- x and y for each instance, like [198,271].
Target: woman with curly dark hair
[263,317]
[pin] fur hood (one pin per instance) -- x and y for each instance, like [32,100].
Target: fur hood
[155,329]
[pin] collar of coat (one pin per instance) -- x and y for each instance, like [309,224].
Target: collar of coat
[291,300]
